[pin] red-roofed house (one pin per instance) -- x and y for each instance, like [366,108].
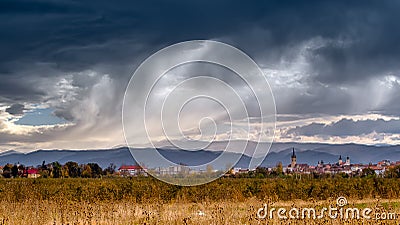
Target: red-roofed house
[32,173]
[378,169]
[133,170]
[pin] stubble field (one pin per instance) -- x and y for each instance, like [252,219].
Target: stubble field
[225,201]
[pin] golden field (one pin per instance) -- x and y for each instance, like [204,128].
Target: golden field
[148,201]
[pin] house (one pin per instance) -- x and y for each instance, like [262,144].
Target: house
[383,163]
[378,169]
[132,170]
[173,170]
[31,173]
[237,170]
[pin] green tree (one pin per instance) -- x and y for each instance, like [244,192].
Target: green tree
[14,171]
[95,169]
[261,172]
[73,169]
[7,170]
[393,172]
[278,170]
[64,171]
[87,171]
[368,172]
[21,169]
[110,169]
[56,172]
[44,170]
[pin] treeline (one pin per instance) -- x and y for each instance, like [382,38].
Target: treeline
[57,170]
[93,170]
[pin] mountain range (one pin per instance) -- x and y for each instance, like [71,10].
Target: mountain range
[309,153]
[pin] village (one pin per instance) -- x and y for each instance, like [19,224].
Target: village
[342,166]
[384,168]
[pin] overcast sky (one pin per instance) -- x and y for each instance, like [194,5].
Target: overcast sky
[333,66]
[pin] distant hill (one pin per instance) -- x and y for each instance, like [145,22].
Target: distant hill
[312,153]
[119,156]
[280,152]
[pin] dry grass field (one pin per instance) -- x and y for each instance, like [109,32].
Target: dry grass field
[124,212]
[146,201]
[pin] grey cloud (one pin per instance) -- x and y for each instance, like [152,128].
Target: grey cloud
[16,109]
[348,127]
[13,90]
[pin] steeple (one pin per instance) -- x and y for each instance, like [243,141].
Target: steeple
[340,160]
[293,160]
[347,161]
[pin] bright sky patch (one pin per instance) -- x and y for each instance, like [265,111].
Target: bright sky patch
[37,117]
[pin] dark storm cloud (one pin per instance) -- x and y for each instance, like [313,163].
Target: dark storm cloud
[348,127]
[15,90]
[16,109]
[78,34]
[318,99]
[49,48]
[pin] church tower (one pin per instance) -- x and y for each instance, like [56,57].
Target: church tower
[347,161]
[340,160]
[293,160]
